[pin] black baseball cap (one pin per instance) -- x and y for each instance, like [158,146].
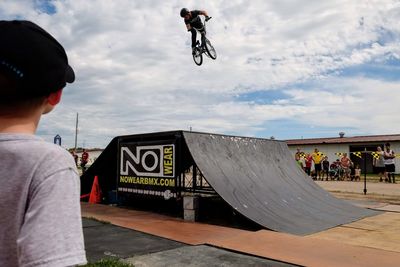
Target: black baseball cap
[34,61]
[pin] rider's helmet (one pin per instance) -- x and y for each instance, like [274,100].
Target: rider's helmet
[184,12]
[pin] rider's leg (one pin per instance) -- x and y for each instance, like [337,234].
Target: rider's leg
[194,36]
[203,37]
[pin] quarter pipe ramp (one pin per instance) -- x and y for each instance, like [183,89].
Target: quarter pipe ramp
[257,177]
[260,179]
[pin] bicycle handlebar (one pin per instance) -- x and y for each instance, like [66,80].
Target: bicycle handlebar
[205,20]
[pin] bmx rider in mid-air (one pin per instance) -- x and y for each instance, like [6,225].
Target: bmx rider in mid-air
[193,22]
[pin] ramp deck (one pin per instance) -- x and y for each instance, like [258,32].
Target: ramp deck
[260,179]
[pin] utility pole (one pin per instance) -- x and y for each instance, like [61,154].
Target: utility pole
[76,131]
[365,171]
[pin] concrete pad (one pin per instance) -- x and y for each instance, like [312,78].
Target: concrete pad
[380,232]
[110,241]
[369,204]
[160,225]
[358,187]
[199,256]
[87,222]
[307,251]
[392,208]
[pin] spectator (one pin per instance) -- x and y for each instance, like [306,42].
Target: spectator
[307,164]
[40,209]
[357,173]
[75,156]
[345,164]
[317,158]
[299,162]
[379,164]
[334,170]
[389,157]
[352,171]
[298,154]
[84,160]
[325,168]
[299,158]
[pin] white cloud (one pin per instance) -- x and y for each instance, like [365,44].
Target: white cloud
[360,103]
[135,73]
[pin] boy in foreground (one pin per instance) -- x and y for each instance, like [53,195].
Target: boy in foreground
[40,218]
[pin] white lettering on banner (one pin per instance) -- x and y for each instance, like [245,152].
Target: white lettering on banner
[150,161]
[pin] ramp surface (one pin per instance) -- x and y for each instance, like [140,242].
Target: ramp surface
[260,179]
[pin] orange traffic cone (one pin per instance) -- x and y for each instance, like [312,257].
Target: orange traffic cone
[95,194]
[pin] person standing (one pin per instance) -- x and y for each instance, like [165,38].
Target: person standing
[299,159]
[317,158]
[40,218]
[325,168]
[299,162]
[308,164]
[379,164]
[345,163]
[84,160]
[357,173]
[75,156]
[389,157]
[298,153]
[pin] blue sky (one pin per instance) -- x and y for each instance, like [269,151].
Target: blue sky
[44,6]
[288,69]
[388,70]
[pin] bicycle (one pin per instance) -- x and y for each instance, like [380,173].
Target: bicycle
[205,47]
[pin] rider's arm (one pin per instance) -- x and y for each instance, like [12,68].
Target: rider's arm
[203,12]
[189,28]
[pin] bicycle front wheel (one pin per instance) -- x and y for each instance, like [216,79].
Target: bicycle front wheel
[198,57]
[210,50]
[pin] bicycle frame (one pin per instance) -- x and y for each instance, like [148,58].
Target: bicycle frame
[202,32]
[205,46]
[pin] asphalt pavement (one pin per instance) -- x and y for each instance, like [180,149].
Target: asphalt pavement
[104,240]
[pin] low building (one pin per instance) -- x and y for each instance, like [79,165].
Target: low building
[331,147]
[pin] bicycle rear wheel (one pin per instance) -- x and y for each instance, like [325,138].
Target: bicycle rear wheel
[198,57]
[210,50]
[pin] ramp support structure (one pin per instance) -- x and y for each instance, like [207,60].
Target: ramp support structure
[190,208]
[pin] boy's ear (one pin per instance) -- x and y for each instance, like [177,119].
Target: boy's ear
[54,98]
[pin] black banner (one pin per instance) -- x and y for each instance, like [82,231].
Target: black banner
[147,169]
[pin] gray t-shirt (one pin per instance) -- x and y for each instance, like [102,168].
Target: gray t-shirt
[40,217]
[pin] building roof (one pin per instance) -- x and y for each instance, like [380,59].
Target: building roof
[345,140]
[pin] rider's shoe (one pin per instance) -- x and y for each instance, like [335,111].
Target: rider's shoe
[194,50]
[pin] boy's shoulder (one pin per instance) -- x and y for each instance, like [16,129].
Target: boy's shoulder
[33,160]
[33,148]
